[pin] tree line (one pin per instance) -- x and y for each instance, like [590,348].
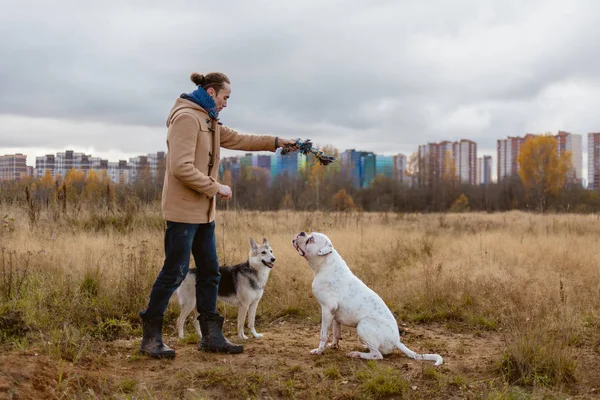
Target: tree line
[542,184]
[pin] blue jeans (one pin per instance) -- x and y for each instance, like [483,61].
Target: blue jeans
[181,239]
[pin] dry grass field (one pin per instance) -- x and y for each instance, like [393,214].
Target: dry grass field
[511,301]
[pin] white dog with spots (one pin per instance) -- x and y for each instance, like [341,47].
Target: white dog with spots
[346,300]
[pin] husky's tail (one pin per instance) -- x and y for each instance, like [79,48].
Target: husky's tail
[429,357]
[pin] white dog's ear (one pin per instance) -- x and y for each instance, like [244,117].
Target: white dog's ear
[253,244]
[265,241]
[323,251]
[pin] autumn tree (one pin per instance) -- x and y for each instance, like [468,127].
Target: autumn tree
[449,180]
[542,170]
[47,180]
[92,187]
[449,175]
[75,177]
[108,193]
[46,184]
[75,183]
[315,181]
[342,201]
[461,204]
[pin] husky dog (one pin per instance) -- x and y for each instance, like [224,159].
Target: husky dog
[241,285]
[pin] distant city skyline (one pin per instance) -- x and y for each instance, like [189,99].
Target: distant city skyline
[471,165]
[119,155]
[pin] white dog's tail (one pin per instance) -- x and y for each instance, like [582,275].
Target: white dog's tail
[429,357]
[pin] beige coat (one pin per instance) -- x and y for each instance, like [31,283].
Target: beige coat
[194,141]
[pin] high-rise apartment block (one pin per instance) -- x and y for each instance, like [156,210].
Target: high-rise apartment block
[465,157]
[594,160]
[13,167]
[368,165]
[434,158]
[484,170]
[384,165]
[400,167]
[289,164]
[118,171]
[351,166]
[361,167]
[508,152]
[572,143]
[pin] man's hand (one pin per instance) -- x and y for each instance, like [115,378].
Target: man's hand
[281,142]
[224,192]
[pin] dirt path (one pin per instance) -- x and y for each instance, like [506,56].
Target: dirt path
[276,366]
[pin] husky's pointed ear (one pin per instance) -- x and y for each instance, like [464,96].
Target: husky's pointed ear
[265,241]
[253,244]
[328,248]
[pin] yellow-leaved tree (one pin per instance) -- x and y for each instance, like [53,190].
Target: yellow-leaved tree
[75,177]
[47,180]
[46,184]
[542,170]
[92,191]
[342,201]
[74,185]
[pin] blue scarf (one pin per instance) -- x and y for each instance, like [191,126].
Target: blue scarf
[203,99]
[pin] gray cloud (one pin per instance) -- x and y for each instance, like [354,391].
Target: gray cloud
[384,77]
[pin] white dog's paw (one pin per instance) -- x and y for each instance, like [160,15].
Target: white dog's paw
[257,335]
[243,336]
[354,354]
[333,345]
[316,352]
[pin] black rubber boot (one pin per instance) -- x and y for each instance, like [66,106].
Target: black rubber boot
[152,344]
[213,339]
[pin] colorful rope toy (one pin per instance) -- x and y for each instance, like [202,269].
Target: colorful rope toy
[305,147]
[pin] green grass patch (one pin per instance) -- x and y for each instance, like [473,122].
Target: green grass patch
[379,381]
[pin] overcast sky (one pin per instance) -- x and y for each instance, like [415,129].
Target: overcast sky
[383,76]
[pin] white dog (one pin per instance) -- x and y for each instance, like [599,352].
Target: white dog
[346,300]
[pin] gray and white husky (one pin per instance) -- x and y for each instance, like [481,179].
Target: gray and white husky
[241,285]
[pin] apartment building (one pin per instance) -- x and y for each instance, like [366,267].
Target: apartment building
[13,167]
[572,143]
[433,159]
[484,170]
[594,160]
